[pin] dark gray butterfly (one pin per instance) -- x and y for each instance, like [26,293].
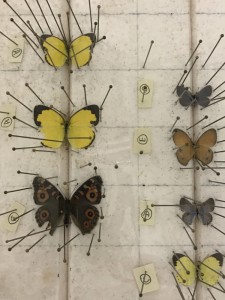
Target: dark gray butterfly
[186,98]
[79,207]
[201,210]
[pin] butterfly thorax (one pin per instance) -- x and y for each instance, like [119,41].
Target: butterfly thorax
[67,210]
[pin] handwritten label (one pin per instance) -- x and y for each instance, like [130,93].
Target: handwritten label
[11,220]
[144,93]
[16,51]
[142,142]
[6,117]
[146,278]
[147,213]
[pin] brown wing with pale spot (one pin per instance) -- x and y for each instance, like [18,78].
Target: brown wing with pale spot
[207,140]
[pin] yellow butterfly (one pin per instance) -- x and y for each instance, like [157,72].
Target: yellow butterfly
[78,130]
[207,271]
[58,52]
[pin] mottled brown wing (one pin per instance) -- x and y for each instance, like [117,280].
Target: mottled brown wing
[185,150]
[202,148]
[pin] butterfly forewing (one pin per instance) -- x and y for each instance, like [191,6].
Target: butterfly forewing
[202,147]
[206,273]
[202,96]
[183,264]
[51,124]
[80,51]
[55,49]
[185,150]
[84,214]
[189,209]
[52,201]
[185,97]
[80,129]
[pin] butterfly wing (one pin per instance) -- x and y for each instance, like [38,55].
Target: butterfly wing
[52,202]
[204,211]
[183,264]
[80,129]
[207,140]
[185,97]
[51,124]
[186,151]
[83,213]
[202,96]
[55,49]
[80,50]
[189,209]
[206,273]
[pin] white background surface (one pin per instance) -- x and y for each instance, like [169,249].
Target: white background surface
[175,26]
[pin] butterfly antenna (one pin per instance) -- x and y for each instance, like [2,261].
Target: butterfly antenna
[214,48]
[8,38]
[43,15]
[74,16]
[89,1]
[196,58]
[199,43]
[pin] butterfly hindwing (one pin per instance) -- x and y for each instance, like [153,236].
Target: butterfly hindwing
[80,129]
[183,264]
[185,97]
[84,214]
[55,49]
[206,273]
[186,151]
[52,202]
[207,140]
[51,124]
[80,51]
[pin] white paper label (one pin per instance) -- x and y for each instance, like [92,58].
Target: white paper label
[16,51]
[142,143]
[146,279]
[147,213]
[11,220]
[7,112]
[144,93]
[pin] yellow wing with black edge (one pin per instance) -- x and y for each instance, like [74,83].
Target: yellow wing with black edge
[80,128]
[186,270]
[208,268]
[55,49]
[51,124]
[80,50]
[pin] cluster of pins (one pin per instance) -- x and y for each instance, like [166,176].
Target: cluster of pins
[217,98]
[28,32]
[39,148]
[200,164]
[192,293]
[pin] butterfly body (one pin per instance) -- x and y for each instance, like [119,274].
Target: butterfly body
[186,98]
[202,211]
[78,129]
[206,271]
[80,207]
[200,150]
